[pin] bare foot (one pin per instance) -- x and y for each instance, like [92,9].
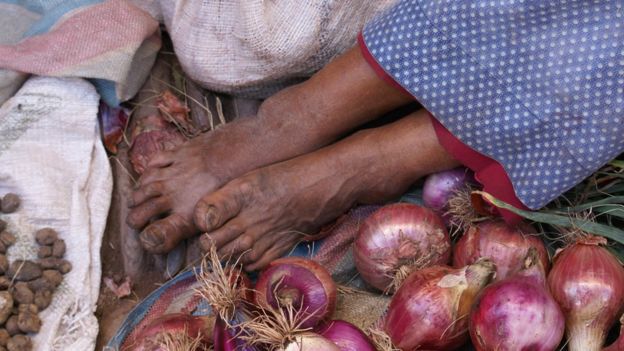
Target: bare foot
[297,120]
[270,209]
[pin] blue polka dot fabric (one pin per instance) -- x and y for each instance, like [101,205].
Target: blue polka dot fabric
[536,85]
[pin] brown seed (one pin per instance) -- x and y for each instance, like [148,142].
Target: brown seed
[22,293]
[46,236]
[24,270]
[40,284]
[4,264]
[6,306]
[11,325]
[58,248]
[28,322]
[4,337]
[27,308]
[7,238]
[53,276]
[44,251]
[59,264]
[20,343]
[3,225]
[43,299]
[10,203]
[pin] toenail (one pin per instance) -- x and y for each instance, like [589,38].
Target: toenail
[211,217]
[152,238]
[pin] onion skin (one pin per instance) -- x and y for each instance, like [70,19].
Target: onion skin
[311,342]
[518,313]
[300,282]
[398,237]
[439,187]
[346,336]
[429,310]
[588,283]
[192,326]
[505,245]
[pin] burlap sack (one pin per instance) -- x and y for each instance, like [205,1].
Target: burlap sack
[52,156]
[253,48]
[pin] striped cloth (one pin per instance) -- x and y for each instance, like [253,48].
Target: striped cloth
[112,42]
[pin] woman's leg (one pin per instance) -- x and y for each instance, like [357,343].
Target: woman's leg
[268,209]
[300,119]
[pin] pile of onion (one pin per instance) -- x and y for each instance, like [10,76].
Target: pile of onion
[296,297]
[588,283]
[518,313]
[398,239]
[505,245]
[429,310]
[440,187]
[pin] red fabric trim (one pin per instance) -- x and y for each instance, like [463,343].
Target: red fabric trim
[488,171]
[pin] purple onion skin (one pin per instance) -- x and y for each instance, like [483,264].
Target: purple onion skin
[346,336]
[439,187]
[223,339]
[518,313]
[302,283]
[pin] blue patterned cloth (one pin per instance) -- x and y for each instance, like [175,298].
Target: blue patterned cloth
[536,85]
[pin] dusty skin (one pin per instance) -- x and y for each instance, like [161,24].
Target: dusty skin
[260,183]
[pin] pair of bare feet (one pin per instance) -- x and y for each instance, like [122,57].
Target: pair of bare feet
[260,185]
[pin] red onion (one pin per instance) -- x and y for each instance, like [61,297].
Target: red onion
[588,282]
[429,310]
[618,345]
[346,336]
[397,239]
[505,245]
[518,313]
[439,187]
[301,283]
[183,329]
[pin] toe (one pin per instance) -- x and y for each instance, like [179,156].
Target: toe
[274,252]
[151,175]
[164,235]
[140,215]
[215,209]
[162,159]
[147,192]
[224,235]
[238,246]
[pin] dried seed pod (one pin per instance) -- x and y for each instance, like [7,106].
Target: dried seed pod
[11,325]
[4,337]
[7,238]
[59,264]
[28,321]
[20,343]
[10,203]
[44,251]
[24,270]
[58,248]
[43,299]
[22,293]
[6,305]
[46,236]
[4,264]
